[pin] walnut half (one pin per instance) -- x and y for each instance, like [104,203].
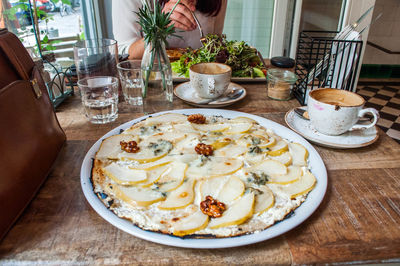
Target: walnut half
[129,146]
[212,207]
[204,149]
[197,119]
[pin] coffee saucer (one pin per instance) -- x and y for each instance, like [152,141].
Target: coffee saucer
[187,94]
[348,140]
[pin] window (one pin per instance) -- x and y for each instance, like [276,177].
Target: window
[250,21]
[59,25]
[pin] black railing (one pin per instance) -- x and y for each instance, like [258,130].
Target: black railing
[323,61]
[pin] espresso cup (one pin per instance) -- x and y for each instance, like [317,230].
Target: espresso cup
[334,111]
[210,80]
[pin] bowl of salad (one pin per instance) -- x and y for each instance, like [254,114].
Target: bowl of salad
[245,61]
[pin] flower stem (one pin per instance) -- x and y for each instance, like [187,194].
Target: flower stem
[160,68]
[172,10]
[148,71]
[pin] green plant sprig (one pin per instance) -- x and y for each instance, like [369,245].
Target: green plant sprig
[155,24]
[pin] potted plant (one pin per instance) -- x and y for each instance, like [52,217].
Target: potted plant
[156,68]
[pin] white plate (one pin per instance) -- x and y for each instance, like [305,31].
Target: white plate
[187,94]
[348,140]
[312,202]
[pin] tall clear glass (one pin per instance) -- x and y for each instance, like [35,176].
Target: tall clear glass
[157,87]
[130,76]
[96,57]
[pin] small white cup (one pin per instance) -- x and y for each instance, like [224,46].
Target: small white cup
[210,80]
[334,111]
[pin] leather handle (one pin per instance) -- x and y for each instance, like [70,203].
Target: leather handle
[6,45]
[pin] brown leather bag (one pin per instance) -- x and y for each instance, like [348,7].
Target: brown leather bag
[30,135]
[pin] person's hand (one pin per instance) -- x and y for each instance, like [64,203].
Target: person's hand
[182,16]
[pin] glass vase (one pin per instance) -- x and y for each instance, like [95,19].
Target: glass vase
[157,87]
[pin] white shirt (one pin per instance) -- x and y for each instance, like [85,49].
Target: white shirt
[126,29]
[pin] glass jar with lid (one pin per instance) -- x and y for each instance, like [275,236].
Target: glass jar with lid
[280,83]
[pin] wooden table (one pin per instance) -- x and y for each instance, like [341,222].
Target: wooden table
[358,220]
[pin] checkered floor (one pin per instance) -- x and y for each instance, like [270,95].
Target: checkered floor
[385,99]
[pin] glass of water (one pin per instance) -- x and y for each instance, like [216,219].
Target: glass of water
[130,76]
[96,57]
[99,98]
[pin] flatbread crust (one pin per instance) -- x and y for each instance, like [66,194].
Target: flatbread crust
[152,218]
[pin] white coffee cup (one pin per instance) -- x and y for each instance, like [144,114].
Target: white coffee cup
[210,80]
[334,111]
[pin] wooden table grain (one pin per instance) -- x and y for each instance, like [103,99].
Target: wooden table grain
[357,222]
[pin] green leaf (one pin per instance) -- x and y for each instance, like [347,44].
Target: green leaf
[45,39]
[41,14]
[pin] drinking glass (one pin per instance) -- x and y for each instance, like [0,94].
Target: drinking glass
[96,57]
[130,77]
[99,98]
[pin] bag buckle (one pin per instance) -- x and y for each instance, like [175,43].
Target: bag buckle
[36,88]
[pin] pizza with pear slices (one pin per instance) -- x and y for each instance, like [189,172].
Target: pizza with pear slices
[201,176]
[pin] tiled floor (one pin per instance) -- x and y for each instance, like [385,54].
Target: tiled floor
[386,99]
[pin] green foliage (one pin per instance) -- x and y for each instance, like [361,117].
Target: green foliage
[156,25]
[242,58]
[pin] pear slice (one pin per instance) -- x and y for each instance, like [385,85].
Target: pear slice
[299,154]
[293,174]
[211,187]
[168,118]
[244,119]
[195,222]
[284,158]
[302,186]
[211,127]
[154,175]
[154,164]
[141,129]
[232,151]
[185,128]
[124,176]
[148,153]
[172,136]
[264,200]
[260,132]
[270,167]
[180,197]
[239,128]
[271,142]
[236,214]
[270,133]
[172,178]
[254,159]
[187,145]
[110,147]
[252,139]
[232,189]
[279,148]
[137,196]
[220,143]
[185,158]
[214,166]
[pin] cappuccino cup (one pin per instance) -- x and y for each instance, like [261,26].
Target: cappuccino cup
[334,111]
[210,80]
